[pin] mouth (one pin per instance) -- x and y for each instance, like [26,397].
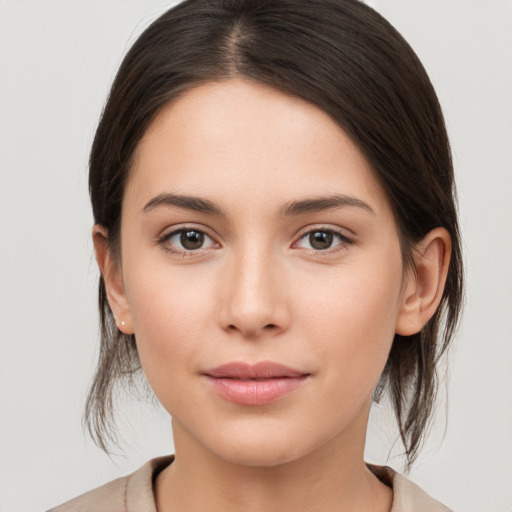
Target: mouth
[257,384]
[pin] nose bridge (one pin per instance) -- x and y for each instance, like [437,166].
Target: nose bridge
[253,303]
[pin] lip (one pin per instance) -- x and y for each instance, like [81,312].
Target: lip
[257,384]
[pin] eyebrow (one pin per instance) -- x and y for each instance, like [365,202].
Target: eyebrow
[318,204]
[197,204]
[290,209]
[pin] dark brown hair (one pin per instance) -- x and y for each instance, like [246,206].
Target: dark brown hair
[341,56]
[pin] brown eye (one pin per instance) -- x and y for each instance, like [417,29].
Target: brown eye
[187,240]
[320,240]
[191,239]
[323,240]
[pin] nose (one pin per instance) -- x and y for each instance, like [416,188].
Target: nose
[254,300]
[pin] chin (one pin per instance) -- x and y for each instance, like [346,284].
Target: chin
[261,449]
[259,456]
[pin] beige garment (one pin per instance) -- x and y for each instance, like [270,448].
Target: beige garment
[134,493]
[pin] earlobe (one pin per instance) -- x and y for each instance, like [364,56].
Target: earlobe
[113,279]
[424,284]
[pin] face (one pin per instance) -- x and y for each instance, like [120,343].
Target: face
[261,274]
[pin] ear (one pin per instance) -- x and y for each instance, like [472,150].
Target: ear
[113,278]
[424,285]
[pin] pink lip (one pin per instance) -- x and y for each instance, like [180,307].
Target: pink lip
[257,384]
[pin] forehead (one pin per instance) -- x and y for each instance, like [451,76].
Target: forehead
[245,138]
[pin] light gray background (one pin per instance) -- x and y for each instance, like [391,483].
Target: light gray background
[57,59]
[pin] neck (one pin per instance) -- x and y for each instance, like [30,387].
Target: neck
[332,478]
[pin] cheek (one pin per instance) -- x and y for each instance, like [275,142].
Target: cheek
[171,315]
[353,322]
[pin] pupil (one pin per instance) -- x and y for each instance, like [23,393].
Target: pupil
[192,239]
[320,240]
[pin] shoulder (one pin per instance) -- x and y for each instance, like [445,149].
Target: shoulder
[107,498]
[407,496]
[131,492]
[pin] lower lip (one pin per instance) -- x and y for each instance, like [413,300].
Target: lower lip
[255,392]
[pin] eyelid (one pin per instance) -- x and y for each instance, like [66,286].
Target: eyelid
[338,232]
[169,232]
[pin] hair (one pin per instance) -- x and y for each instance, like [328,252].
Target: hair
[346,59]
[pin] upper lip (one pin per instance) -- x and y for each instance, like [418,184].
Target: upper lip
[261,370]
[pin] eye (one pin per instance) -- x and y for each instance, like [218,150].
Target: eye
[322,240]
[187,240]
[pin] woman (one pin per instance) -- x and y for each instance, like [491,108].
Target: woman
[276,230]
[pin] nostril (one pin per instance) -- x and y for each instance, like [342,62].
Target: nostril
[268,327]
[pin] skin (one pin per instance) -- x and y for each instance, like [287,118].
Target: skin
[257,290]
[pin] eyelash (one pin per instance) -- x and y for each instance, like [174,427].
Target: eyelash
[164,241]
[343,240]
